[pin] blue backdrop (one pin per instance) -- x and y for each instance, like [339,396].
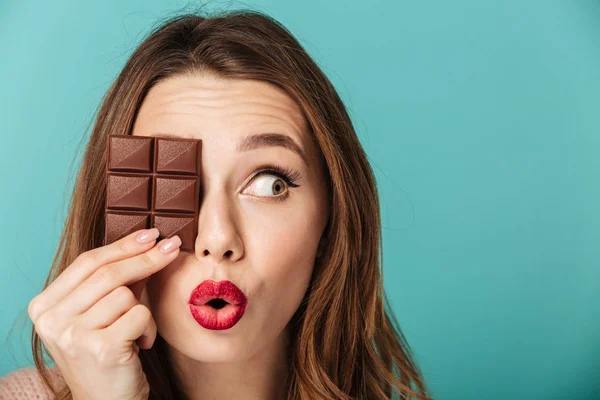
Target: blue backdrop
[480,118]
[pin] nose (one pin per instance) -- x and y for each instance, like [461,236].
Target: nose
[218,234]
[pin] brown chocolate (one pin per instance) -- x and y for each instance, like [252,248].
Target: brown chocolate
[152,182]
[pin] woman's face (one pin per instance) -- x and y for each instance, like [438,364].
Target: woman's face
[262,237]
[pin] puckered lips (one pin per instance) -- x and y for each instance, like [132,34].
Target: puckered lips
[217,305]
[217,294]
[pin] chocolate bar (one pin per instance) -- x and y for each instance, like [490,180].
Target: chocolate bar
[152,182]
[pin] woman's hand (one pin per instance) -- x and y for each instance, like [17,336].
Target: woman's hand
[91,320]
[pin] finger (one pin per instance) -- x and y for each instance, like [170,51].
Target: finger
[138,287]
[137,323]
[121,273]
[108,309]
[85,265]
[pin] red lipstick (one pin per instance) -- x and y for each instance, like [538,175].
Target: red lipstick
[217,305]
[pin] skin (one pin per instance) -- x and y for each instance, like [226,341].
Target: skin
[266,247]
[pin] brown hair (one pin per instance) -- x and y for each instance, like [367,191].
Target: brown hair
[345,340]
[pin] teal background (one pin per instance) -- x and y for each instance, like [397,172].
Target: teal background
[481,120]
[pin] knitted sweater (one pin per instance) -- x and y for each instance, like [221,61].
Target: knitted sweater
[27,384]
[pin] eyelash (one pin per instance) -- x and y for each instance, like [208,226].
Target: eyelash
[287,175]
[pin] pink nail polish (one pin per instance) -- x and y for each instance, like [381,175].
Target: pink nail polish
[147,235]
[170,245]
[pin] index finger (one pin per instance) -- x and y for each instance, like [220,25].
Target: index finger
[87,263]
[120,273]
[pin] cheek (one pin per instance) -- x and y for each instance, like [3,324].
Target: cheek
[287,236]
[282,255]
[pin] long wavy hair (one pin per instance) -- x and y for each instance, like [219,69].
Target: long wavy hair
[345,342]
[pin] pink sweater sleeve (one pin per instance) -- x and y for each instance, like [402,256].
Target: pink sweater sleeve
[26,384]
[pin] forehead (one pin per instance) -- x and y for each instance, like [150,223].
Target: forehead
[210,108]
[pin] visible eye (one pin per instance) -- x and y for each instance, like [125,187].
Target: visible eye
[275,182]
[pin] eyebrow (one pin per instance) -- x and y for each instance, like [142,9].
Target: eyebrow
[260,140]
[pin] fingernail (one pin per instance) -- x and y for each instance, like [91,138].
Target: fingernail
[147,235]
[169,245]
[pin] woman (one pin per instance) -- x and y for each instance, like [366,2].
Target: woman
[307,259]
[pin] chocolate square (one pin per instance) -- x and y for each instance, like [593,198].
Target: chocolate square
[119,224]
[130,153]
[176,156]
[128,191]
[152,182]
[175,193]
